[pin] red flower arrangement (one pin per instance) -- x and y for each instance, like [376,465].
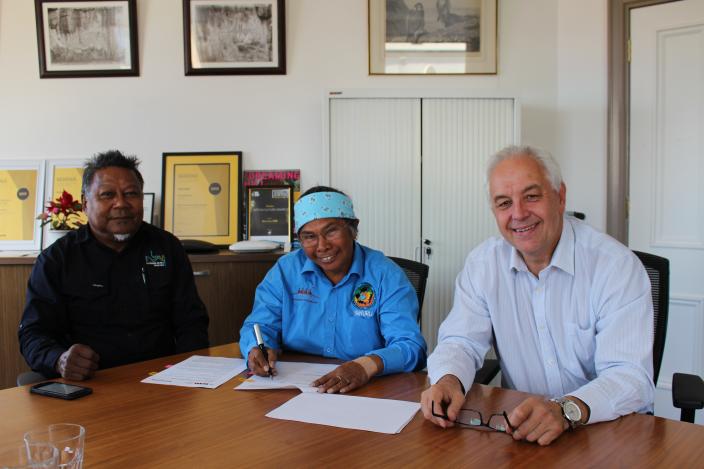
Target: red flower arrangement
[64,213]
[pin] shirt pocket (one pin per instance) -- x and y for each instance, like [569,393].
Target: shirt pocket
[88,304]
[158,283]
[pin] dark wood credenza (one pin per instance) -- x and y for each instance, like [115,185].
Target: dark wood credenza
[226,282]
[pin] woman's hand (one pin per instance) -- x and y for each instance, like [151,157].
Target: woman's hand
[350,375]
[258,365]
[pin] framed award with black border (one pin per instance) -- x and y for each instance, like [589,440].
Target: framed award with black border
[270,213]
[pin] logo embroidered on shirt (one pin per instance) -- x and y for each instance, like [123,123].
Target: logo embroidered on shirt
[304,291]
[364,296]
[155,260]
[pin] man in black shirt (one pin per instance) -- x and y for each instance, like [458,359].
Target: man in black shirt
[113,292]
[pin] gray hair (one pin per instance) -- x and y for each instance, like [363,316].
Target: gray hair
[542,157]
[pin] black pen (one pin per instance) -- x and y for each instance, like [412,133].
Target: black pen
[262,347]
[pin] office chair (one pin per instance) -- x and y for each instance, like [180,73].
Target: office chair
[687,390]
[30,377]
[417,274]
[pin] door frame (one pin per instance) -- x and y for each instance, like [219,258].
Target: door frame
[619,91]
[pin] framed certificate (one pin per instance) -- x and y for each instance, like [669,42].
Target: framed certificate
[200,196]
[270,213]
[63,175]
[148,204]
[21,199]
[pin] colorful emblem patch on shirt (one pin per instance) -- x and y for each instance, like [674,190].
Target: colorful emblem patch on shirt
[364,296]
[155,260]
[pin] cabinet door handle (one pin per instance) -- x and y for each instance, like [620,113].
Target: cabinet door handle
[201,273]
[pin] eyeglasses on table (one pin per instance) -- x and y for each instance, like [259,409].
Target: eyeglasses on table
[472,418]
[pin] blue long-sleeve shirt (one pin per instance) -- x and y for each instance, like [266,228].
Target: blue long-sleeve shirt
[372,310]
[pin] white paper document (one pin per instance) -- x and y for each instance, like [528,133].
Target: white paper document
[200,372]
[289,375]
[357,413]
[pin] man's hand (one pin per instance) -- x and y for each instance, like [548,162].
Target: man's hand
[350,375]
[77,363]
[448,390]
[260,366]
[538,420]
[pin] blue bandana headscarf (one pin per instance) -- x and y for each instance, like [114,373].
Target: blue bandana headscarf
[322,205]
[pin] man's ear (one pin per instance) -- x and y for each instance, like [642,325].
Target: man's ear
[563,196]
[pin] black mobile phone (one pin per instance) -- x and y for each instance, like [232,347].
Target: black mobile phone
[60,390]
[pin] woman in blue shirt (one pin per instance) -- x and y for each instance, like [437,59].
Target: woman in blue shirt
[335,298]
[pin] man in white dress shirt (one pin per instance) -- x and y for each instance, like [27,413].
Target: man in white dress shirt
[567,308]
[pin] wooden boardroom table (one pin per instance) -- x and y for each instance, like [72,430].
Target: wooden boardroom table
[130,424]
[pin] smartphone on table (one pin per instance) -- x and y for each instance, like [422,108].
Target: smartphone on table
[60,390]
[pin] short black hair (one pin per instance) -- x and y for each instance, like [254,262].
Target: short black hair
[105,160]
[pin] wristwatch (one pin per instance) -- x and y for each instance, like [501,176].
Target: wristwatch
[570,411]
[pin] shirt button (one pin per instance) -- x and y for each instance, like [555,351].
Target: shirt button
[551,362]
[331,318]
[328,350]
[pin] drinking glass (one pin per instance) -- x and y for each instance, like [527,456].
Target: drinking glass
[29,456]
[68,438]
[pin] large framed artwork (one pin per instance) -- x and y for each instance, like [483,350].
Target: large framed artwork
[21,199]
[200,196]
[234,37]
[87,38]
[424,37]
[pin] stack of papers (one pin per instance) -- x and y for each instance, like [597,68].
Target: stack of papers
[200,372]
[357,413]
[289,375]
[336,410]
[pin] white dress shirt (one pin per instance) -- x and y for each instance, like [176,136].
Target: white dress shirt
[582,327]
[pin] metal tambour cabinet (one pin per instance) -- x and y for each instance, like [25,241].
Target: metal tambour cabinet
[415,169]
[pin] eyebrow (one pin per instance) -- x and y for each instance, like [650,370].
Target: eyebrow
[527,189]
[531,187]
[332,223]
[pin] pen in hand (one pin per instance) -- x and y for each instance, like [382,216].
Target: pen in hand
[262,347]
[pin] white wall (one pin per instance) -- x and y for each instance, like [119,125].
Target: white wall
[552,56]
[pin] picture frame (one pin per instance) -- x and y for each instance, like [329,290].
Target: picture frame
[432,37]
[257,28]
[62,175]
[269,177]
[21,199]
[201,196]
[148,205]
[64,27]
[270,213]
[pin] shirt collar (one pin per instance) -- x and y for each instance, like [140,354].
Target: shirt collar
[562,258]
[86,235]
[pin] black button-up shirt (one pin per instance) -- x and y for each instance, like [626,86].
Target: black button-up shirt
[128,306]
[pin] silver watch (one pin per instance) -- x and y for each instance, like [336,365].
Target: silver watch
[570,411]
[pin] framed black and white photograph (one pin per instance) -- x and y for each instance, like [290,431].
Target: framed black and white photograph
[87,38]
[425,37]
[234,37]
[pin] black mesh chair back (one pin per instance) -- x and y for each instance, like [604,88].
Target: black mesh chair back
[417,274]
[658,269]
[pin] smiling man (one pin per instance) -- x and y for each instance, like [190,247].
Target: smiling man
[567,308]
[335,298]
[115,291]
